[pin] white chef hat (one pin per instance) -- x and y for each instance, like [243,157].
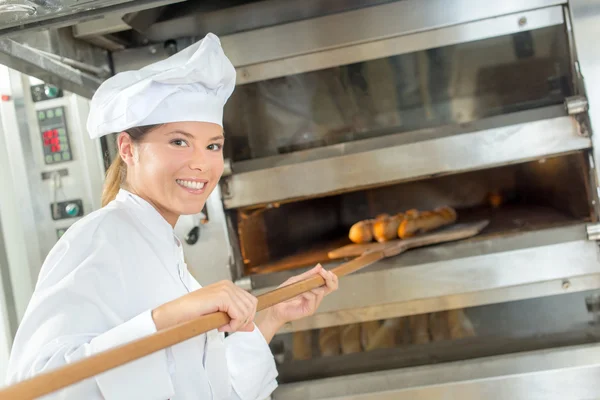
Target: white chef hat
[191,85]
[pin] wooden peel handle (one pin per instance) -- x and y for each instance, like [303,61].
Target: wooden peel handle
[49,382]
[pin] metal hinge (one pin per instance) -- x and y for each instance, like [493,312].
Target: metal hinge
[576,105]
[244,283]
[593,231]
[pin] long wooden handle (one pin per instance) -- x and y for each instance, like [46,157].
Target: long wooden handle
[90,366]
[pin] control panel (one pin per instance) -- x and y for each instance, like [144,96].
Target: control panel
[54,135]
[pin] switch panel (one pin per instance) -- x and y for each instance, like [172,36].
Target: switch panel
[55,139]
[66,209]
[44,92]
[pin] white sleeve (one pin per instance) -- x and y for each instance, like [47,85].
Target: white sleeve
[251,365]
[79,308]
[130,381]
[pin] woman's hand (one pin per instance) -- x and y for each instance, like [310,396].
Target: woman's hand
[304,305]
[222,296]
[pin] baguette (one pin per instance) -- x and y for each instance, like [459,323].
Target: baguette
[361,232]
[459,324]
[350,339]
[415,222]
[438,326]
[368,330]
[419,328]
[302,346]
[385,337]
[329,341]
[385,228]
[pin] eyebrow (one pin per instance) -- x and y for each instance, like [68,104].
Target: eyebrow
[189,135]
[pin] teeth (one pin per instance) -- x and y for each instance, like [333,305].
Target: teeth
[190,184]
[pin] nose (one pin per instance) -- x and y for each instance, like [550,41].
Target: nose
[199,160]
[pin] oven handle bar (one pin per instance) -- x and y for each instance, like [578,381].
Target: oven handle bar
[72,373]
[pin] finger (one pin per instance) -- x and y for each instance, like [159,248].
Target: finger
[247,307]
[303,276]
[331,281]
[236,310]
[311,300]
[252,303]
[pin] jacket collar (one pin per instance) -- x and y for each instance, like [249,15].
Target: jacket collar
[156,225]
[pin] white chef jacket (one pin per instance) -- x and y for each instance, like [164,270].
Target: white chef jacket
[96,290]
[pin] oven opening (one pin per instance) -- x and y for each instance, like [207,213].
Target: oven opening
[534,195]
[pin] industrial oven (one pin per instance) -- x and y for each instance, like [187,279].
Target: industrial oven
[347,111]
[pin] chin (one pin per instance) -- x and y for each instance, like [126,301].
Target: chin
[191,208]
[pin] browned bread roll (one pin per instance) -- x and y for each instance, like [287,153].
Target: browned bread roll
[350,339]
[421,222]
[386,335]
[361,232]
[438,326]
[368,330]
[459,324]
[419,328]
[301,345]
[386,228]
[329,341]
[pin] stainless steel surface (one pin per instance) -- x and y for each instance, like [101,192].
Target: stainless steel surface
[359,26]
[26,197]
[398,39]
[429,305]
[8,327]
[593,231]
[113,22]
[463,152]
[250,16]
[518,266]
[65,13]
[8,319]
[31,62]
[99,72]
[585,21]
[562,373]
[347,37]
[17,204]
[576,105]
[402,138]
[141,56]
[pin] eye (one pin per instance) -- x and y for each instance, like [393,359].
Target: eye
[215,147]
[179,142]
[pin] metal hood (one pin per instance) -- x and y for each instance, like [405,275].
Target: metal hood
[72,43]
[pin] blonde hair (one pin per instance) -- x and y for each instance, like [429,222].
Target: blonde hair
[117,172]
[115,176]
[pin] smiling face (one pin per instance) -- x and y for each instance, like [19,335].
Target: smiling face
[175,166]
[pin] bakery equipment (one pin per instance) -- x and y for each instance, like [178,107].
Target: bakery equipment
[347,110]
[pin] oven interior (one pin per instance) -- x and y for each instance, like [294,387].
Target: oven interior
[533,195]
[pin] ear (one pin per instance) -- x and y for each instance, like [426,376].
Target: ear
[126,148]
